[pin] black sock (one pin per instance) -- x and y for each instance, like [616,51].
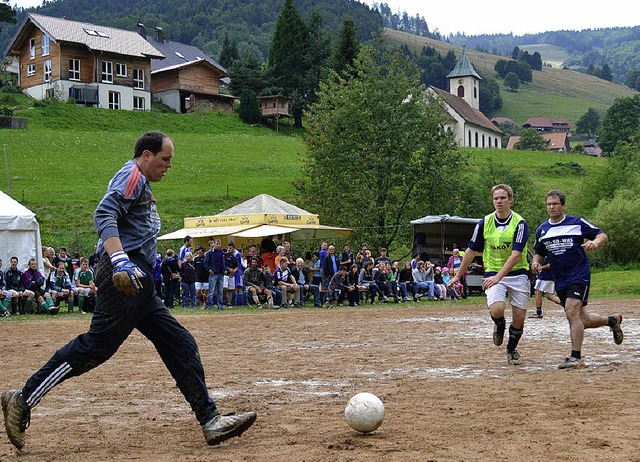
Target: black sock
[612,321]
[538,310]
[499,321]
[575,354]
[514,338]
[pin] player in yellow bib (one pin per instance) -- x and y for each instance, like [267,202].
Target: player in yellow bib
[502,238]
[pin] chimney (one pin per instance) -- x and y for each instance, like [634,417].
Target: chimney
[141,32]
[158,34]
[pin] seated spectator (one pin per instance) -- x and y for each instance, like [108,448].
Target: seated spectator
[420,279]
[269,283]
[254,281]
[457,289]
[84,285]
[33,280]
[299,272]
[14,281]
[353,279]
[392,283]
[188,281]
[61,287]
[406,283]
[339,286]
[367,281]
[380,277]
[170,277]
[437,280]
[285,282]
[6,295]
[453,264]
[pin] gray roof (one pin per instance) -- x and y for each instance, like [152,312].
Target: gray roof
[463,68]
[187,54]
[95,37]
[443,219]
[264,203]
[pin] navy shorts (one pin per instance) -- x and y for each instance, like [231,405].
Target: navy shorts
[579,291]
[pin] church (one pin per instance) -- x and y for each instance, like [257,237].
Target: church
[471,127]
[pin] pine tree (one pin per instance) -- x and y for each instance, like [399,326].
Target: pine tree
[347,47]
[229,52]
[249,111]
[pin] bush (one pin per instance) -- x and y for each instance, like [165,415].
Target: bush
[6,111]
[566,168]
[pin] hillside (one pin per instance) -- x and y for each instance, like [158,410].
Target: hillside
[553,92]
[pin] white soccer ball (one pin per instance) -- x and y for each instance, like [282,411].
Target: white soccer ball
[364,412]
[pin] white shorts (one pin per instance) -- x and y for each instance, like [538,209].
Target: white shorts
[546,287]
[517,288]
[229,282]
[202,285]
[81,290]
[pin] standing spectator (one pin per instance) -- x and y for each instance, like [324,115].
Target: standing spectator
[232,267]
[362,257]
[170,277]
[382,258]
[330,266]
[182,251]
[346,257]
[202,277]
[571,272]
[287,251]
[64,257]
[157,276]
[316,268]
[84,285]
[214,264]
[267,245]
[188,282]
[48,255]
[502,237]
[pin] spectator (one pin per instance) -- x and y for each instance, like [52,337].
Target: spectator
[346,257]
[61,288]
[299,272]
[182,251]
[392,282]
[330,266]
[438,281]
[157,276]
[48,254]
[316,268]
[429,272]
[6,295]
[188,281]
[287,251]
[215,266]
[64,257]
[202,277]
[339,286]
[34,281]
[366,280]
[353,278]
[361,257]
[170,277]
[254,281]
[420,279]
[240,298]
[405,279]
[453,264]
[232,266]
[269,283]
[267,245]
[380,277]
[456,290]
[13,280]
[285,282]
[84,285]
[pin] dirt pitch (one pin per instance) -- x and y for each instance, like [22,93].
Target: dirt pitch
[448,391]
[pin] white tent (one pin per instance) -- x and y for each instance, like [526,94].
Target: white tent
[19,234]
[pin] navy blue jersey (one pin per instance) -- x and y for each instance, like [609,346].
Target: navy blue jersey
[128,210]
[561,244]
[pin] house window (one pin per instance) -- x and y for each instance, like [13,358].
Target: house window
[107,71]
[31,70]
[47,70]
[114,100]
[138,103]
[138,79]
[32,48]
[121,70]
[45,45]
[74,69]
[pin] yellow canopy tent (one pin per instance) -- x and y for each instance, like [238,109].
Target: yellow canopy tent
[247,223]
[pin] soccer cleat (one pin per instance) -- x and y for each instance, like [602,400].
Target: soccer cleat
[572,363]
[513,357]
[16,416]
[536,316]
[221,428]
[618,336]
[498,334]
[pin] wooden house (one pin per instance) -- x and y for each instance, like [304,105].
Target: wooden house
[95,65]
[558,142]
[548,124]
[187,78]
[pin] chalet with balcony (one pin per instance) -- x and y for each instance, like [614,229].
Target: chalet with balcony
[95,65]
[548,125]
[187,79]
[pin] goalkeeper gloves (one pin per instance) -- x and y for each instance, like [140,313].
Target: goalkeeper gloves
[126,274]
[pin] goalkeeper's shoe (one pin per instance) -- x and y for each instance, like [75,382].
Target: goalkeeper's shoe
[16,416]
[223,427]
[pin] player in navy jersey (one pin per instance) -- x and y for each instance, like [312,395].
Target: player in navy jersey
[562,241]
[502,238]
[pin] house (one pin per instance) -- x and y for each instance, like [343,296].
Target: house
[548,125]
[591,147]
[95,65]
[470,126]
[558,142]
[504,121]
[274,107]
[187,78]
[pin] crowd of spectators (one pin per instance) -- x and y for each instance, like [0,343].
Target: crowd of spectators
[267,276]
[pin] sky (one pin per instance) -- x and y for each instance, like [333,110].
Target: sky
[467,16]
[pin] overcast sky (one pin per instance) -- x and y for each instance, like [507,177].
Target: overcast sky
[470,17]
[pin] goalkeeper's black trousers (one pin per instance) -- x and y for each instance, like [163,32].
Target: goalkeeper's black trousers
[115,317]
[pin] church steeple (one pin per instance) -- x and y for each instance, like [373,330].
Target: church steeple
[464,81]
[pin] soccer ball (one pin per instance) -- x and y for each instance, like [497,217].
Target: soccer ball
[364,412]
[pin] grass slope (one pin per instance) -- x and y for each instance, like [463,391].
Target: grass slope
[553,92]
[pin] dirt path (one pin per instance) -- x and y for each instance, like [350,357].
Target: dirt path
[448,391]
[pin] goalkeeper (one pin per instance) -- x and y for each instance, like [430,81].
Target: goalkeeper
[128,224]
